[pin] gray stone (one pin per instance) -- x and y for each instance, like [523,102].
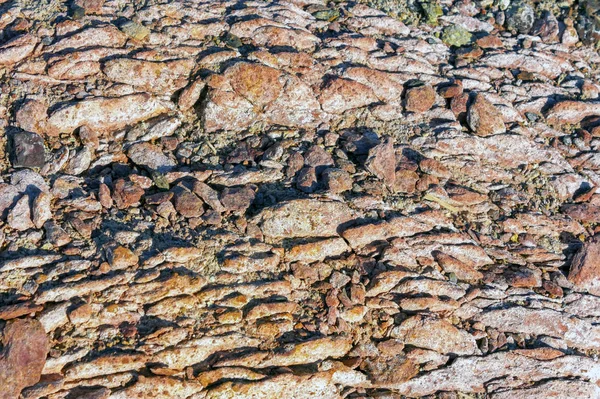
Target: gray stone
[27,150]
[150,156]
[520,17]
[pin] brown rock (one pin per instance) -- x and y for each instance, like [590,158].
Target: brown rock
[80,314]
[17,49]
[452,90]
[190,95]
[208,195]
[339,280]
[390,370]
[158,198]
[469,53]
[462,270]
[126,193]
[237,199]
[121,258]
[188,204]
[305,218]
[257,83]
[17,310]
[571,112]
[420,98]
[337,180]
[436,334]
[489,41]
[340,95]
[25,346]
[90,6]
[307,179]
[41,211]
[226,110]
[458,105]
[382,161]
[553,289]
[32,116]
[240,264]
[295,163]
[317,251]
[547,28]
[55,234]
[318,158]
[154,77]
[105,113]
[406,181]
[524,278]
[435,168]
[585,267]
[104,196]
[484,118]
[166,209]
[19,217]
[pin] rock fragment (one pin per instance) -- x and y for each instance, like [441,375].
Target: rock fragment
[17,49]
[150,156]
[484,118]
[420,98]
[32,116]
[305,218]
[318,250]
[520,17]
[572,111]
[27,150]
[471,373]
[25,346]
[126,193]
[584,271]
[188,204]
[150,76]
[121,258]
[382,161]
[103,113]
[436,334]
[340,95]
[19,217]
[41,210]
[237,199]
[337,180]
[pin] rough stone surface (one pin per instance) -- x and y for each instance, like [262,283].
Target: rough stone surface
[438,335]
[584,271]
[25,346]
[483,117]
[420,98]
[382,161]
[106,113]
[151,157]
[299,199]
[27,150]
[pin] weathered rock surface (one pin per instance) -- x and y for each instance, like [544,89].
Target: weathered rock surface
[585,272]
[305,218]
[25,346]
[106,113]
[299,199]
[483,117]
